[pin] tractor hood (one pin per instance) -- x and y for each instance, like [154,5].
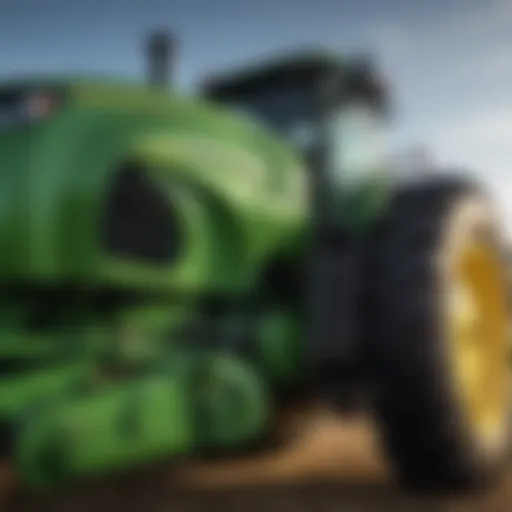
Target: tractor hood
[189,173]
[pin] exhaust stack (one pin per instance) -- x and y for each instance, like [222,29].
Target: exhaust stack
[161,55]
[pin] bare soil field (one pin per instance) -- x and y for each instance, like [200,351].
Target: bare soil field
[329,465]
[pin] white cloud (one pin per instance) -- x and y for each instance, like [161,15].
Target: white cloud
[453,82]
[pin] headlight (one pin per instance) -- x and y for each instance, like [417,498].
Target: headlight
[41,105]
[22,106]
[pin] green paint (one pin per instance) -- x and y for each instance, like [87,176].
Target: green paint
[97,390]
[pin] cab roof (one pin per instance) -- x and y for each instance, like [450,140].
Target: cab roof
[311,67]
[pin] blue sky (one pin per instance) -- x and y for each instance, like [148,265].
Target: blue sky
[449,62]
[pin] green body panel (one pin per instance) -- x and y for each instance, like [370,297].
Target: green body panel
[241,196]
[97,432]
[241,193]
[190,403]
[16,393]
[281,347]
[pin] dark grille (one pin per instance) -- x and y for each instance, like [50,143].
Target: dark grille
[140,222]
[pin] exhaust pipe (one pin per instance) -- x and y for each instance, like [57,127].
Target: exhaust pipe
[161,55]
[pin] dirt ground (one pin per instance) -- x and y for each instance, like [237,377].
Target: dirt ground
[341,454]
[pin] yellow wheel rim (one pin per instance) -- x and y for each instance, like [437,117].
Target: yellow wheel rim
[479,331]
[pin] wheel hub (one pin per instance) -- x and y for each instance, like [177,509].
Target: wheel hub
[479,324]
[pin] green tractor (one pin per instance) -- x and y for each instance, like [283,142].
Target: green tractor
[175,271]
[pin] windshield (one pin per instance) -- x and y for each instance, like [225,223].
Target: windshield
[356,142]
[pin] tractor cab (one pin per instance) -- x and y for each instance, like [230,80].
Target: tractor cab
[332,112]
[329,110]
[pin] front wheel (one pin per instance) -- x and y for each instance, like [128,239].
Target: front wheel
[438,348]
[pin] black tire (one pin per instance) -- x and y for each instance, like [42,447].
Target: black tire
[429,438]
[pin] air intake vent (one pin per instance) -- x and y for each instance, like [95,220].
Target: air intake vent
[140,222]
